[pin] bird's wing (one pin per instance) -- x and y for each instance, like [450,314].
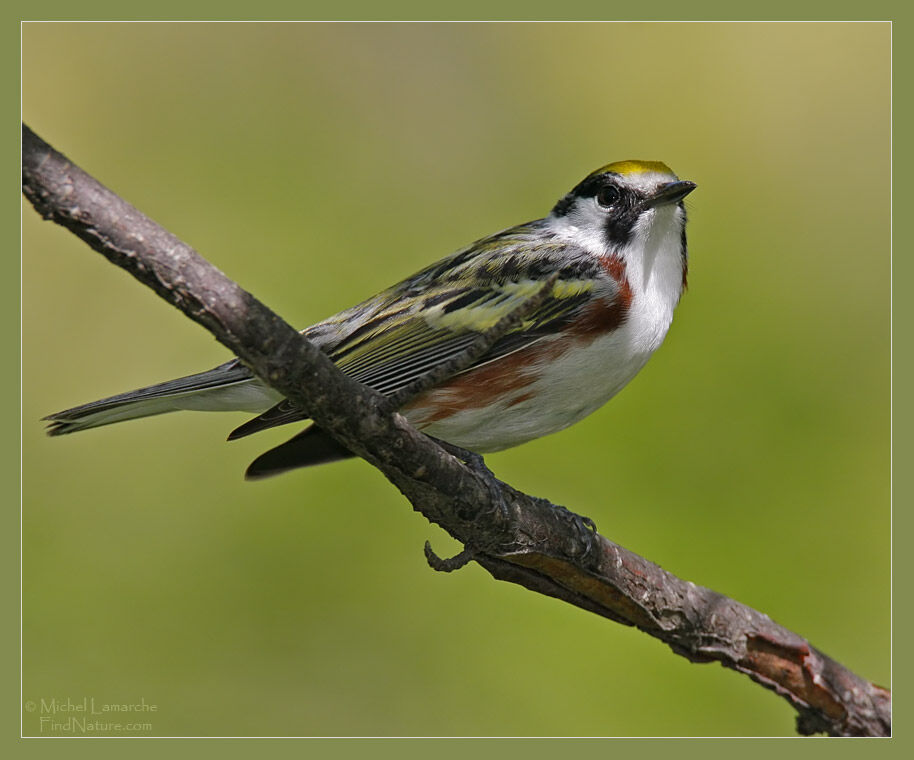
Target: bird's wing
[412,328]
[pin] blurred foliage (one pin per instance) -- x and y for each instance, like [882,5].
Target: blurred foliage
[318,163]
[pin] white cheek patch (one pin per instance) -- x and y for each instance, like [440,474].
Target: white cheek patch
[583,226]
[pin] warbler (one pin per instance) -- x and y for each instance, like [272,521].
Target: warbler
[617,242]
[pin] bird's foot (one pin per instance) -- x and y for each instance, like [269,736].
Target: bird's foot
[585,532]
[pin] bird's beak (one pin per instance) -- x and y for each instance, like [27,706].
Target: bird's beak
[671,192]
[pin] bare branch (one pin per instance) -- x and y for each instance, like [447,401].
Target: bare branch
[516,537]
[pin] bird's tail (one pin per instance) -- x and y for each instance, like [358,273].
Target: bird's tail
[229,386]
[310,447]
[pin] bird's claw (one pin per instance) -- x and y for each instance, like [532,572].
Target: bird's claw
[586,533]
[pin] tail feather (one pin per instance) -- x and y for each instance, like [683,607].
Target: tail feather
[227,387]
[311,446]
[281,414]
[158,399]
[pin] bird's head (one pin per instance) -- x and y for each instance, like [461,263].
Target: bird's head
[619,208]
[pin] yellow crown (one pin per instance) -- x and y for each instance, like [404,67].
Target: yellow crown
[635,167]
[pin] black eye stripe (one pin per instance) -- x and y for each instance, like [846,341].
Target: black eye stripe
[608,191]
[619,225]
[622,210]
[620,213]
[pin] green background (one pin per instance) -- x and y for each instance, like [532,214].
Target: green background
[316,164]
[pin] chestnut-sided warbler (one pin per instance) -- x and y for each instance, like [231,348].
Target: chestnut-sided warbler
[618,244]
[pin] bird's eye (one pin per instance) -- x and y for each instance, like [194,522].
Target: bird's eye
[608,195]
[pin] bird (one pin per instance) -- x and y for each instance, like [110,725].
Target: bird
[615,248]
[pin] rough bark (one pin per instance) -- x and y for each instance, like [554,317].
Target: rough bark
[519,538]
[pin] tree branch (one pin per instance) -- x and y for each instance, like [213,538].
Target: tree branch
[516,537]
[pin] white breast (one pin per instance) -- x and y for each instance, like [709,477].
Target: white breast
[654,268]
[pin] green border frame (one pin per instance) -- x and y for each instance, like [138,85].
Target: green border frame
[902,306]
